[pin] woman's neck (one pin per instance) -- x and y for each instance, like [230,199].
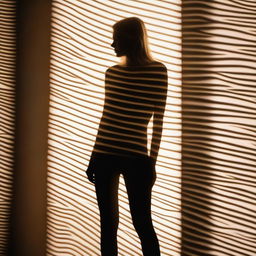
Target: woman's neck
[126,61]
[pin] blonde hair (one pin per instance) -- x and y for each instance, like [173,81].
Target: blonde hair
[133,30]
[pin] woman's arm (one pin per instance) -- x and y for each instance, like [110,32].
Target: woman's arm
[158,115]
[90,169]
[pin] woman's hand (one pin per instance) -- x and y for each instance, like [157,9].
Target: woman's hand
[152,162]
[90,169]
[91,175]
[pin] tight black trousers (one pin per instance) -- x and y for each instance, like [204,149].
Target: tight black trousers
[139,177]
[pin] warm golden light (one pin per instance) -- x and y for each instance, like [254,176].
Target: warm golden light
[7,115]
[81,53]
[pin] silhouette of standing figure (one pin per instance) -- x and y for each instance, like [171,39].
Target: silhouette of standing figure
[135,90]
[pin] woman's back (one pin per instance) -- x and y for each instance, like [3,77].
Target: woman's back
[131,95]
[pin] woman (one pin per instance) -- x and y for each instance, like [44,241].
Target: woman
[135,90]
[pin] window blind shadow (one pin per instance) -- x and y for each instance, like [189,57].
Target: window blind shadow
[7,115]
[218,128]
[80,56]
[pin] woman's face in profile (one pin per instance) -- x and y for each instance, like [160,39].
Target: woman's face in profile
[120,45]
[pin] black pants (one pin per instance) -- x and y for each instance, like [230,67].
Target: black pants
[139,179]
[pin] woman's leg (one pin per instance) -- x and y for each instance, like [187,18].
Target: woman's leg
[139,180]
[106,184]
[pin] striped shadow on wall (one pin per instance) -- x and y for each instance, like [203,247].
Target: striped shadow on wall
[7,114]
[218,125]
[80,55]
[218,128]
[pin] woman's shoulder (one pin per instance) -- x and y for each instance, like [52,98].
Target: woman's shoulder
[113,68]
[151,65]
[160,65]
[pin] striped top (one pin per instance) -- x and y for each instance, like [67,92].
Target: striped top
[132,95]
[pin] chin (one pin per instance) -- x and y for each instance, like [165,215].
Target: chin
[119,54]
